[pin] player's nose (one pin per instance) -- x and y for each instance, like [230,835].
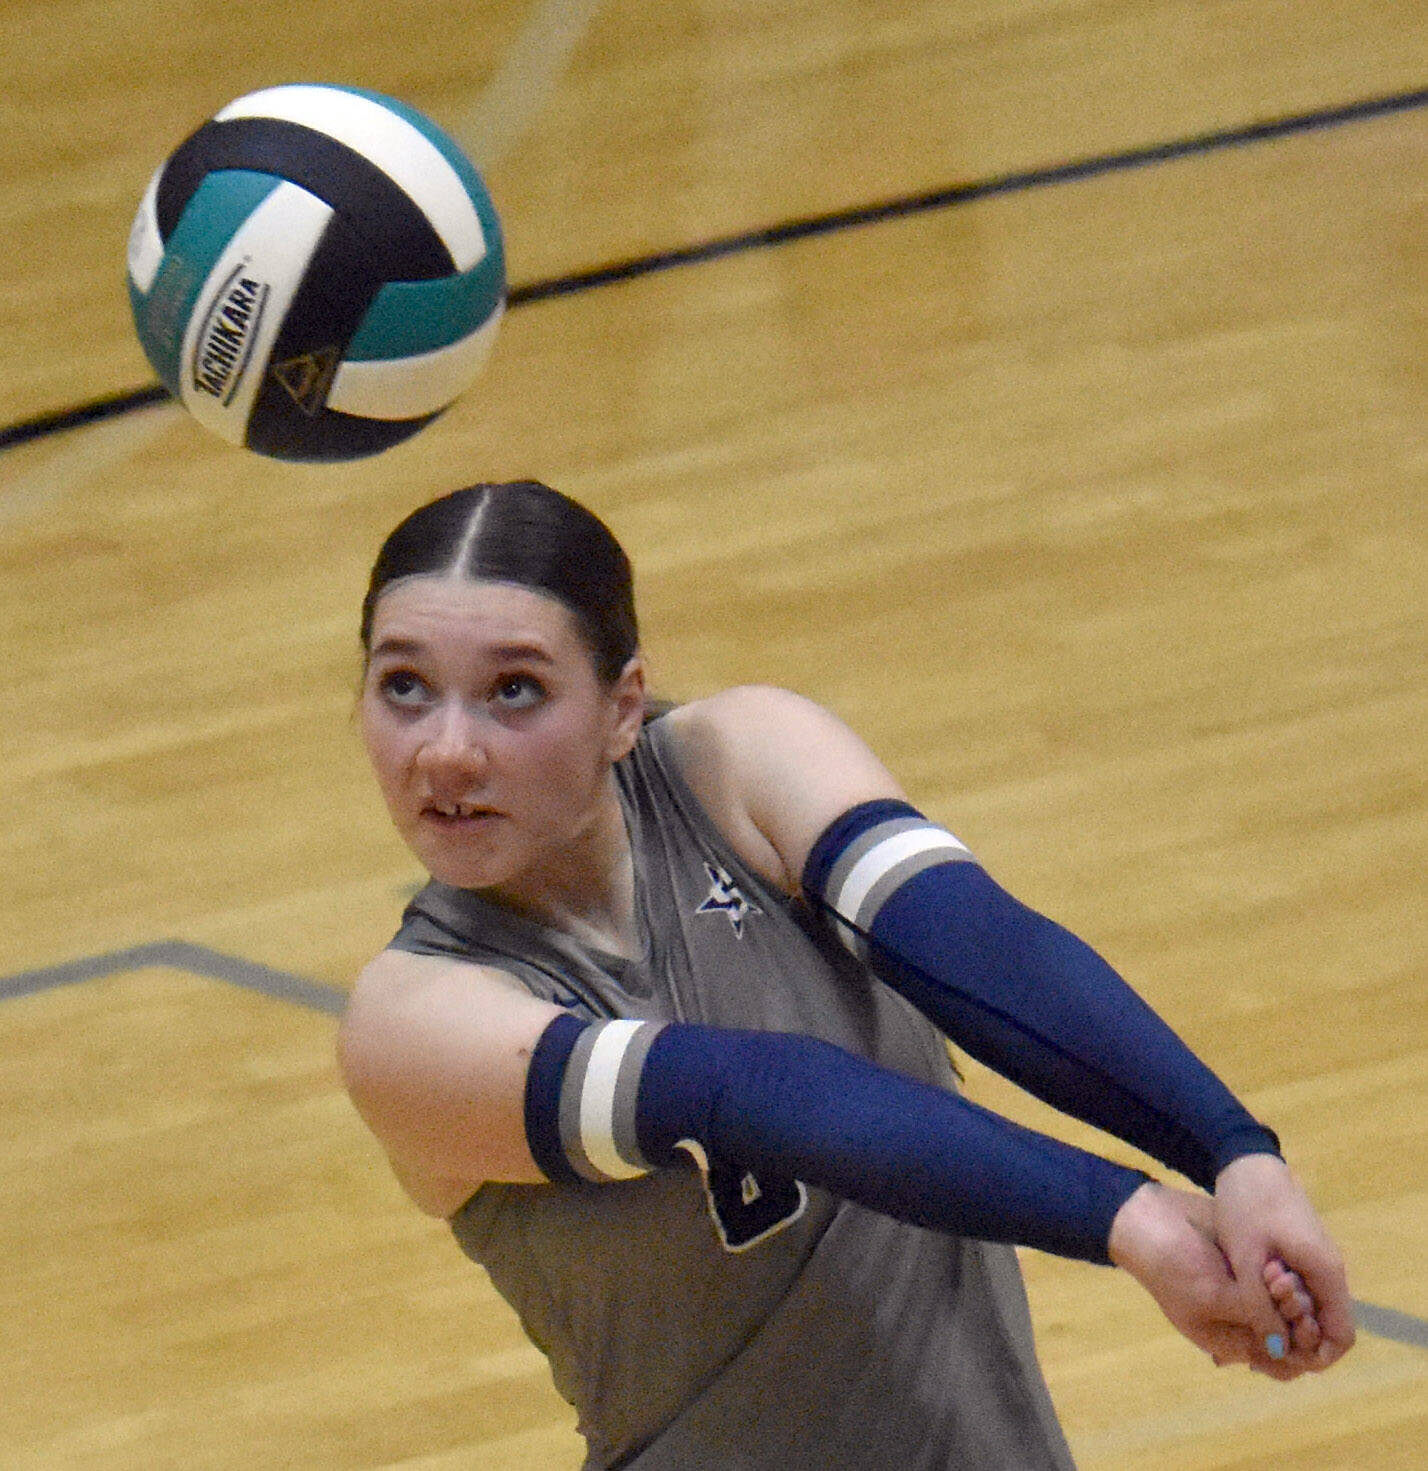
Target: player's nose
[453,743]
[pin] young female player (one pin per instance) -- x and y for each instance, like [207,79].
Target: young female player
[664,1039]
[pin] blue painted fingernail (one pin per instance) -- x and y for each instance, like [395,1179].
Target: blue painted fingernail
[1274,1345]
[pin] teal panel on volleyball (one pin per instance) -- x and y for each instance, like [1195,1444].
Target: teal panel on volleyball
[411,317]
[217,210]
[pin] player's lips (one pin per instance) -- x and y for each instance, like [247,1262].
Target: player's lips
[456,815]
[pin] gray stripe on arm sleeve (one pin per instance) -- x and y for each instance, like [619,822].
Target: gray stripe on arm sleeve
[627,1144]
[877,865]
[598,1101]
[896,876]
[572,1090]
[863,844]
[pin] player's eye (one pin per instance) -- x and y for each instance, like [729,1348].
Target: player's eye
[402,688]
[517,692]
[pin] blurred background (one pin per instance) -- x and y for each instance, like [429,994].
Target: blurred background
[1093,498]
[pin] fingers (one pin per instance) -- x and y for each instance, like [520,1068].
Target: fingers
[1287,1289]
[1259,1306]
[1321,1279]
[1229,1344]
[1295,1306]
[1305,1336]
[1285,1353]
[1328,1286]
[1263,1214]
[1333,1347]
[1162,1238]
[1291,1350]
[1278,1308]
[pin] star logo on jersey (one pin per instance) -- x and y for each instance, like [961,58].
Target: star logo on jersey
[725,898]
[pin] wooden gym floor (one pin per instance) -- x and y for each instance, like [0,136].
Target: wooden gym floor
[1094,498]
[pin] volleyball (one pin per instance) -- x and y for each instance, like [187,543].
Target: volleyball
[316,272]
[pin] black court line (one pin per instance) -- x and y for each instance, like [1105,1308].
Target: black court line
[282,985]
[904,206]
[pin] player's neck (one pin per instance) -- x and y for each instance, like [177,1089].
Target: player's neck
[586,890]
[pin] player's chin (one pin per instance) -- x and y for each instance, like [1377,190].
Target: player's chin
[463,855]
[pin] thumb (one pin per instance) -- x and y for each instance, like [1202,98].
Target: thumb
[1226,1343]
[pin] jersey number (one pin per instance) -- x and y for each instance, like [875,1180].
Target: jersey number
[748,1209]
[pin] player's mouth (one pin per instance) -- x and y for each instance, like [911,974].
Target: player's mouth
[456,816]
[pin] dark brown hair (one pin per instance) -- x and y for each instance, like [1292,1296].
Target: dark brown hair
[525,533]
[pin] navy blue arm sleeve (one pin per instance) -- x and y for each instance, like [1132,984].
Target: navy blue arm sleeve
[1023,995]
[609,1101]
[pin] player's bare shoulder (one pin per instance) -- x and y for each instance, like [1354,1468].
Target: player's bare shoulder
[774,768]
[397,988]
[434,1053]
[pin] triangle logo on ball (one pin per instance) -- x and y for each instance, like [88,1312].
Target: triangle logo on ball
[308,377]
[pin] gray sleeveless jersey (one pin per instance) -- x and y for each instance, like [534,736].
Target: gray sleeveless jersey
[842,1338]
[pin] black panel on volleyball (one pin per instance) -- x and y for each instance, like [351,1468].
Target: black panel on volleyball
[340,283]
[408,249]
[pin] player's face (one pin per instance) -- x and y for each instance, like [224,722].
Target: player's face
[489,730]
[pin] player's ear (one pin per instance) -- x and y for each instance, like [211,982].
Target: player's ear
[627,708]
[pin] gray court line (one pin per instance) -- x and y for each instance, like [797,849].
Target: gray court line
[282,985]
[181,955]
[1390,1323]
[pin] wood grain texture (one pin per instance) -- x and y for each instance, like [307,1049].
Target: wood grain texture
[1099,510]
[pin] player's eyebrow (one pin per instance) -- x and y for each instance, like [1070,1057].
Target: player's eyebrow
[407,647]
[521,653]
[513,653]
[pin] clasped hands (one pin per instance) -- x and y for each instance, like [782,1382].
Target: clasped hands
[1249,1274]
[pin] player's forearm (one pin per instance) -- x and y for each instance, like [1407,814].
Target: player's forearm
[613,1100]
[1019,992]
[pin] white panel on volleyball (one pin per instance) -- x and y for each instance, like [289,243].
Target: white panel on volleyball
[146,246]
[384,138]
[410,388]
[241,308]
